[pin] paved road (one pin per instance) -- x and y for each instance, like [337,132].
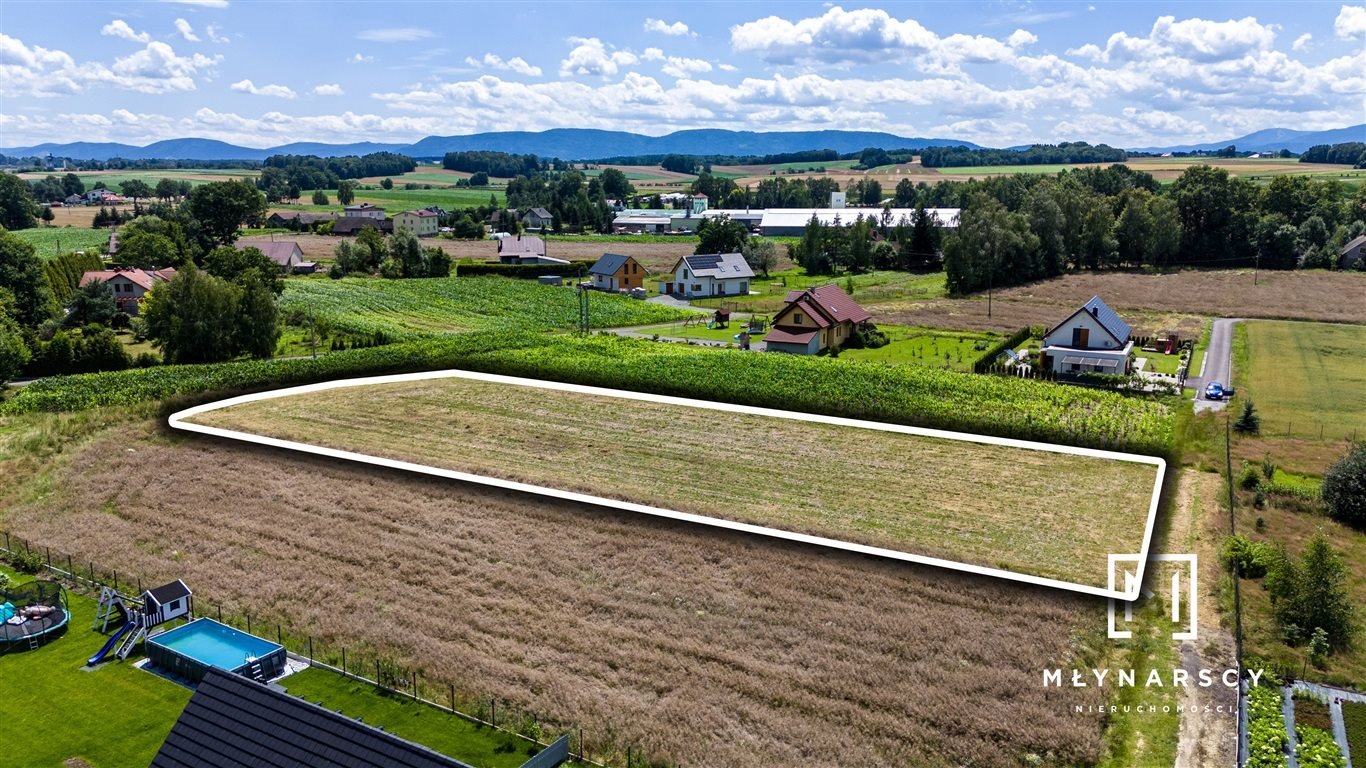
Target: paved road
[1218,363]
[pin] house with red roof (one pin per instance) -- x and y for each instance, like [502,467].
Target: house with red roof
[130,284]
[815,320]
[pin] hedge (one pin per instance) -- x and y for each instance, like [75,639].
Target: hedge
[523,271]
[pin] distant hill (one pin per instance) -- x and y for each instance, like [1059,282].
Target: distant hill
[564,143]
[1273,140]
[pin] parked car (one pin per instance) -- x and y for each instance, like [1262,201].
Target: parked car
[1214,391]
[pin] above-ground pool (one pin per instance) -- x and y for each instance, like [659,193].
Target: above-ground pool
[189,650]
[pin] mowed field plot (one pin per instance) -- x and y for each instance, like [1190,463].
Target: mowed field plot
[1306,375]
[696,645]
[1034,512]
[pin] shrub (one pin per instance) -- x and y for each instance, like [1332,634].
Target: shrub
[4,581]
[1344,487]
[1248,478]
[1251,557]
[1268,467]
[1248,421]
[25,562]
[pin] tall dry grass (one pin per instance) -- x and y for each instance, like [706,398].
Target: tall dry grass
[704,647]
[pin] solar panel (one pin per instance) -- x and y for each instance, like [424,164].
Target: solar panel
[704,262]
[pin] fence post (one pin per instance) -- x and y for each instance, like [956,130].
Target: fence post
[310,649]
[248,623]
[48,550]
[92,573]
[279,634]
[343,660]
[116,581]
[493,710]
[377,683]
[220,614]
[452,697]
[68,566]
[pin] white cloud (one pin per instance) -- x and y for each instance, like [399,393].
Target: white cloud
[360,58]
[212,32]
[591,57]
[676,29]
[395,35]
[515,64]
[727,67]
[678,66]
[1020,38]
[1351,22]
[278,91]
[38,71]
[1302,42]
[1195,39]
[186,31]
[328,89]
[120,28]
[652,54]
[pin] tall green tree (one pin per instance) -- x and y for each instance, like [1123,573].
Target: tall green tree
[346,192]
[1344,487]
[222,207]
[1133,231]
[721,234]
[193,317]
[136,189]
[238,265]
[145,250]
[319,197]
[91,303]
[72,185]
[760,254]
[258,317]
[16,203]
[993,247]
[167,190]
[1312,593]
[14,352]
[21,275]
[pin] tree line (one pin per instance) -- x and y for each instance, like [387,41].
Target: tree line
[497,164]
[1039,154]
[1351,153]
[284,177]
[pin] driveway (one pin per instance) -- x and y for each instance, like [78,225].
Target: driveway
[1218,364]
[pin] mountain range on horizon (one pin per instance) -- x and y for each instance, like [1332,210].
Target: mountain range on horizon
[588,144]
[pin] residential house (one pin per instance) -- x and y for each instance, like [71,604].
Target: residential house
[709,274]
[636,222]
[232,721]
[614,272]
[1093,339]
[538,218]
[815,320]
[420,223]
[1354,254]
[285,253]
[130,285]
[75,200]
[524,249]
[352,225]
[364,211]
[791,222]
[297,219]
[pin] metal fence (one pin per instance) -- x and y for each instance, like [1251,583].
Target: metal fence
[389,676]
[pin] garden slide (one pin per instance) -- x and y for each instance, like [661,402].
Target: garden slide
[111,643]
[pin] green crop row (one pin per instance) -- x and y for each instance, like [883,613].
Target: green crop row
[900,394]
[1317,749]
[1265,729]
[1354,718]
[412,309]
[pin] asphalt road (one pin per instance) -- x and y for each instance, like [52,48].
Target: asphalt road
[1218,365]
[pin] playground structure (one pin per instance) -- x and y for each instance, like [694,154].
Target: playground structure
[31,613]
[137,615]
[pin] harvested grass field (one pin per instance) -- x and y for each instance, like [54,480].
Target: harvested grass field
[692,644]
[958,502]
[1313,374]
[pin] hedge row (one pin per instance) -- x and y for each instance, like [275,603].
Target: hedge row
[523,271]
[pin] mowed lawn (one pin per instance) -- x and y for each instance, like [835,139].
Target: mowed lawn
[54,708]
[1306,375]
[996,506]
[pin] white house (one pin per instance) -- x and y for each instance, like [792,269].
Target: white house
[710,274]
[1092,339]
[364,211]
[421,223]
[538,218]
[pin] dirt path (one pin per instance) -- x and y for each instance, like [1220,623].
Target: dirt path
[1209,737]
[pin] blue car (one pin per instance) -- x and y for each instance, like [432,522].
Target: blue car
[1214,391]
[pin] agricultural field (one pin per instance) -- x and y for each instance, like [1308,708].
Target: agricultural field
[398,200]
[952,505]
[52,242]
[1354,718]
[112,179]
[1305,377]
[698,646]
[908,345]
[405,309]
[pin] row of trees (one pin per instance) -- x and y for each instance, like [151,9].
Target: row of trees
[869,242]
[1351,153]
[1065,153]
[402,256]
[576,203]
[284,177]
[498,164]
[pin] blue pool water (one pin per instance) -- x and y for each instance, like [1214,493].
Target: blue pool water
[218,645]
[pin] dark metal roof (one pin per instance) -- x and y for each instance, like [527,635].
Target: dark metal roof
[608,264]
[1111,322]
[234,722]
[168,592]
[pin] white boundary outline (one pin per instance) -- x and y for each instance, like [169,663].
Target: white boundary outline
[179,421]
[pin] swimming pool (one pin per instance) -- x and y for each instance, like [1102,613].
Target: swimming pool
[189,650]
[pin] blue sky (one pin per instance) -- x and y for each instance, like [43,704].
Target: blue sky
[998,73]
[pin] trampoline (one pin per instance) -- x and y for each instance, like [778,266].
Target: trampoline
[30,612]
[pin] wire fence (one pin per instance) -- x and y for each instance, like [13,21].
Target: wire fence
[354,663]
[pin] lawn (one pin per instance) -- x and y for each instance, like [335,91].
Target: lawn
[698,331]
[52,242]
[909,345]
[54,708]
[869,289]
[955,505]
[404,309]
[1307,376]
[411,720]
[1159,362]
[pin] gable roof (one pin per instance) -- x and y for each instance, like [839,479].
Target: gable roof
[718,265]
[608,264]
[363,207]
[521,245]
[234,722]
[349,224]
[828,303]
[1356,242]
[540,213]
[422,214]
[133,274]
[286,253]
[168,592]
[1106,317]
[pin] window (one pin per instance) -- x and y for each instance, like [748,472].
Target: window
[697,287]
[174,605]
[796,318]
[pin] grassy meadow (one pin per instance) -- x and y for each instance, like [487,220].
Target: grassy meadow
[1303,376]
[52,242]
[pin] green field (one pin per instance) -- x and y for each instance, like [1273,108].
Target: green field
[54,708]
[868,288]
[1303,376]
[980,170]
[54,241]
[405,309]
[112,179]
[909,345]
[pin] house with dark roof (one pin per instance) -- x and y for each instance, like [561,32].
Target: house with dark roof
[615,272]
[538,218]
[1353,254]
[297,219]
[234,722]
[708,274]
[130,284]
[352,225]
[286,253]
[815,320]
[1093,339]
[525,249]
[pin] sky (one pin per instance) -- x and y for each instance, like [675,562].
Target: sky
[999,73]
